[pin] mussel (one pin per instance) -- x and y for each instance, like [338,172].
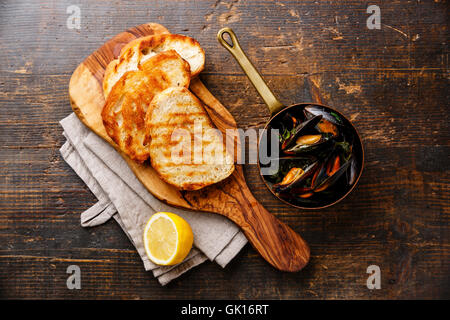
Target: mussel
[330,173]
[328,124]
[298,130]
[352,171]
[304,138]
[323,176]
[303,192]
[314,111]
[294,177]
[289,120]
[307,143]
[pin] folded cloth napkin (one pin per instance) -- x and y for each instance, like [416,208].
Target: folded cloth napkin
[122,196]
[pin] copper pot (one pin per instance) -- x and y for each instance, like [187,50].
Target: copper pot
[277,109]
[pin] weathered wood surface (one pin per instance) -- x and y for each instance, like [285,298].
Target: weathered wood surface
[392,82]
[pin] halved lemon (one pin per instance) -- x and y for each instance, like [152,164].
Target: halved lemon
[168,238]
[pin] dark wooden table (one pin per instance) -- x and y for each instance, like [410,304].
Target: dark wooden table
[393,83]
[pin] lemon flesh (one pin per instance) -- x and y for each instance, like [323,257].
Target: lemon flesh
[168,238]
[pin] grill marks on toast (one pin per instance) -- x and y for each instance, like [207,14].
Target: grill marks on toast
[147,101]
[181,157]
[126,105]
[134,54]
[188,48]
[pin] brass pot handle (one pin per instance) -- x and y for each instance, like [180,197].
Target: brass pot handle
[258,82]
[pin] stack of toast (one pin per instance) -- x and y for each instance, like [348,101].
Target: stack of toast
[150,112]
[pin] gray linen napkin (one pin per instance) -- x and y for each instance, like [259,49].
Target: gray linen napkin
[124,198]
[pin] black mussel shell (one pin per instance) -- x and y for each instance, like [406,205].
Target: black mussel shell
[299,130]
[294,177]
[352,171]
[299,148]
[314,111]
[289,121]
[327,180]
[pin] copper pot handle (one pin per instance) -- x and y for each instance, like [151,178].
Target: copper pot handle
[258,82]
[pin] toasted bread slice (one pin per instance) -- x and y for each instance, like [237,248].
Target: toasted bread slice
[157,29]
[125,108]
[135,53]
[185,149]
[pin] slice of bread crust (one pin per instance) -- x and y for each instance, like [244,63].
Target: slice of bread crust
[185,149]
[135,53]
[125,108]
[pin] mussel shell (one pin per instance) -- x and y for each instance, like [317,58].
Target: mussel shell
[282,187]
[310,158]
[328,181]
[285,162]
[293,175]
[289,121]
[314,111]
[300,129]
[303,192]
[303,148]
[352,171]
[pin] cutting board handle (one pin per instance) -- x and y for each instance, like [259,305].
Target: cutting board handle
[277,243]
[281,246]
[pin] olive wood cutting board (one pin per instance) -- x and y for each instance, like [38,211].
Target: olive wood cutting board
[275,241]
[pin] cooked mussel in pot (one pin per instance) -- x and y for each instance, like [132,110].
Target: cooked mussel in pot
[318,160]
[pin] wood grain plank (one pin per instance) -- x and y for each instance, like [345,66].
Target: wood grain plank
[394,87]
